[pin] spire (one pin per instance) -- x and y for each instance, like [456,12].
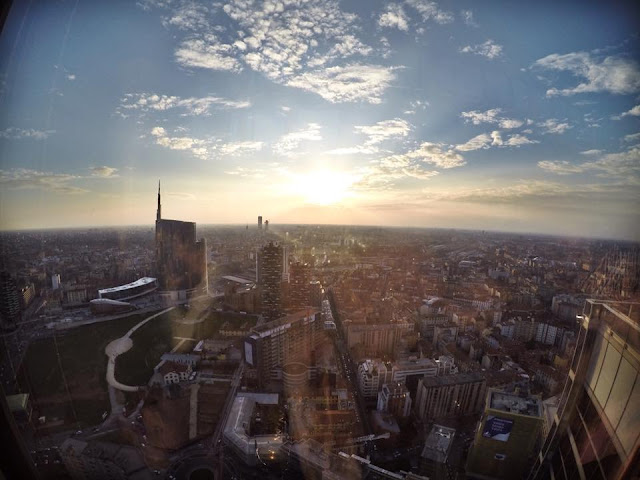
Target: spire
[158,213]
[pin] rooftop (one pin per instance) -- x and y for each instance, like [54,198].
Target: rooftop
[138,283]
[438,443]
[266,328]
[514,403]
[453,379]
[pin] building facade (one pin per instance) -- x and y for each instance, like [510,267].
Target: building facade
[270,279]
[509,432]
[450,396]
[595,433]
[274,344]
[181,261]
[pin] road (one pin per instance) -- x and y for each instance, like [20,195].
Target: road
[349,368]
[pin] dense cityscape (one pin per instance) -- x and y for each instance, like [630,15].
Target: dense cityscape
[319,240]
[317,351]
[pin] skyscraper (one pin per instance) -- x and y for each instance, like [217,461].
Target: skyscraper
[299,291]
[270,279]
[259,222]
[595,433]
[181,261]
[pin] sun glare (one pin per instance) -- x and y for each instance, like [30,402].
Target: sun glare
[323,187]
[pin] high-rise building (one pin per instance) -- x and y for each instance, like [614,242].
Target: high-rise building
[299,287]
[259,222]
[509,432]
[9,299]
[595,433]
[266,225]
[450,396]
[282,341]
[181,261]
[270,280]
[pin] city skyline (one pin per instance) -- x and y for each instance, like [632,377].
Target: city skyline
[410,113]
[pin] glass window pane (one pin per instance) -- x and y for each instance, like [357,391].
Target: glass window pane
[620,392]
[629,425]
[607,374]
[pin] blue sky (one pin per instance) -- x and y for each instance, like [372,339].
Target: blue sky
[487,115]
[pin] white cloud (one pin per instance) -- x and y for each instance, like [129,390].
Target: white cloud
[189,16]
[610,74]
[394,17]
[384,130]
[484,141]
[285,109]
[488,49]
[476,143]
[240,148]
[191,106]
[357,150]
[437,154]
[71,77]
[467,17]
[207,52]
[624,164]
[561,167]
[13,133]
[22,178]
[635,111]
[289,143]
[510,123]
[350,83]
[553,125]
[247,172]
[634,137]
[431,11]
[197,147]
[104,172]
[591,152]
[491,116]
[476,117]
[517,140]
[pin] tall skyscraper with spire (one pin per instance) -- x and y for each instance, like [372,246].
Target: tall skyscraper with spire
[181,261]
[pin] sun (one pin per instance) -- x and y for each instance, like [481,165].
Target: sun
[323,187]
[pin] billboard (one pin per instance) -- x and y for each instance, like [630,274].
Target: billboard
[248,353]
[497,428]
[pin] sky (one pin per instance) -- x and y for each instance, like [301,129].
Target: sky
[510,116]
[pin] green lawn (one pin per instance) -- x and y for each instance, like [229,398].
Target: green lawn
[82,357]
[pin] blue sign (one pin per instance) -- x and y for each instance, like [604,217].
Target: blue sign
[497,428]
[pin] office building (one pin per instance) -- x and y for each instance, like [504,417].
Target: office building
[509,432]
[266,225]
[55,281]
[270,279]
[181,261]
[450,396]
[372,374]
[272,345]
[394,398]
[435,454]
[259,222]
[595,433]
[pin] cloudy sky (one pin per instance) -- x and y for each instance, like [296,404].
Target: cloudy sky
[486,115]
